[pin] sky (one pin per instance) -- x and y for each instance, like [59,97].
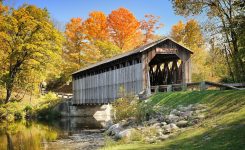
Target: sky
[63,10]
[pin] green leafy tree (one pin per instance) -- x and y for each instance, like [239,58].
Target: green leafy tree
[29,41]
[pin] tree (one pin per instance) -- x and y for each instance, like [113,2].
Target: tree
[96,26]
[149,25]
[75,40]
[225,15]
[30,43]
[178,32]
[124,28]
[107,49]
[191,36]
[97,31]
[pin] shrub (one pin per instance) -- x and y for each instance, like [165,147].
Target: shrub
[136,135]
[50,96]
[11,111]
[125,108]
[45,108]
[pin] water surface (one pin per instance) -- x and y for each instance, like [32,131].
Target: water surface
[66,133]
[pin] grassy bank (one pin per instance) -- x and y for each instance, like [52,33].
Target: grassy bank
[41,107]
[223,127]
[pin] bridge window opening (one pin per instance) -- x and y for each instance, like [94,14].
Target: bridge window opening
[165,69]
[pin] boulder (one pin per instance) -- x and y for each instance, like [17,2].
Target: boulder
[173,126]
[160,118]
[114,129]
[186,114]
[156,124]
[151,140]
[167,128]
[163,137]
[174,112]
[182,123]
[124,134]
[172,118]
[163,123]
[152,121]
[159,132]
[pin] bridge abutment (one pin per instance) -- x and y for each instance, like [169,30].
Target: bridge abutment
[101,113]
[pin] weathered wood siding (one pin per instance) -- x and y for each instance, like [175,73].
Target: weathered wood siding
[104,87]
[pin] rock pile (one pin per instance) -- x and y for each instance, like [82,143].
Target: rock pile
[164,125]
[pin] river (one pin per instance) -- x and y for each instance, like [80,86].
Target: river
[63,134]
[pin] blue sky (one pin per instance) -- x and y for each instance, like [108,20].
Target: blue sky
[63,10]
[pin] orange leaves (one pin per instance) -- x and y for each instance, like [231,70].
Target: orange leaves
[123,26]
[149,25]
[96,26]
[3,8]
[74,29]
[178,31]
[101,36]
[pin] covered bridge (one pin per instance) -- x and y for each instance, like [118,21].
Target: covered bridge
[161,62]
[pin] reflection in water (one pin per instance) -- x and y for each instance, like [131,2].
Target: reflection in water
[37,135]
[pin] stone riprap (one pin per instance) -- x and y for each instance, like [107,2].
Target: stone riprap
[165,126]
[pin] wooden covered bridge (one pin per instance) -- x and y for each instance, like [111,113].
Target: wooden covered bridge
[161,62]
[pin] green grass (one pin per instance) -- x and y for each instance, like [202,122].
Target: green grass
[223,128]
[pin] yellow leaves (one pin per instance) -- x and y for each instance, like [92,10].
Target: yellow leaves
[190,33]
[193,33]
[191,36]
[178,31]
[30,39]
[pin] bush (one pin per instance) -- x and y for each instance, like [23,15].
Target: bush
[125,108]
[45,108]
[11,111]
[136,136]
[50,96]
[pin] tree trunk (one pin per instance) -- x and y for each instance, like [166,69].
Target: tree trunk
[228,63]
[10,84]
[9,92]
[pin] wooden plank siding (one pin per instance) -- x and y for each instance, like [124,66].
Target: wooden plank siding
[104,87]
[100,82]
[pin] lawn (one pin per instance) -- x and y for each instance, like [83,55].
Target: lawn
[223,127]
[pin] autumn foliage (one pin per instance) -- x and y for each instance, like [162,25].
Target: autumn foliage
[30,46]
[124,27]
[100,36]
[191,36]
[96,26]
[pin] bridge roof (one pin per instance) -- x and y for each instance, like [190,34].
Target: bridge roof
[132,52]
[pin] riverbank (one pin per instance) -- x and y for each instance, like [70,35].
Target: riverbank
[38,108]
[172,124]
[222,125]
